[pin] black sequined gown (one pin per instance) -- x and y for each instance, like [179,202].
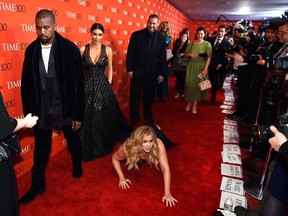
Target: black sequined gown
[103,122]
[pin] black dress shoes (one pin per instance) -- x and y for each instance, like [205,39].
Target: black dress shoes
[77,169]
[31,195]
[241,211]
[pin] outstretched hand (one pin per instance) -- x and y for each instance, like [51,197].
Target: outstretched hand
[30,120]
[124,183]
[169,200]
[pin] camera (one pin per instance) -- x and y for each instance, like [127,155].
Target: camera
[255,57]
[203,55]
[261,52]
[239,44]
[264,133]
[274,89]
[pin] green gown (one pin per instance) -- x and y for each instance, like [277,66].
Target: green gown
[195,66]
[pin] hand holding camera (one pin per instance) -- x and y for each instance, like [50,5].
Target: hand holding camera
[278,139]
[264,132]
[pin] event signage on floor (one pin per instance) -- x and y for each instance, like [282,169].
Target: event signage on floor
[232,185]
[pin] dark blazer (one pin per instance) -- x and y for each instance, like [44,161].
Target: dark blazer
[218,56]
[138,57]
[284,151]
[68,73]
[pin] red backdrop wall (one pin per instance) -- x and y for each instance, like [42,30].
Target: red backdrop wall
[74,18]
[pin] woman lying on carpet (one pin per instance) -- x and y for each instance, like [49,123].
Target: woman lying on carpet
[143,145]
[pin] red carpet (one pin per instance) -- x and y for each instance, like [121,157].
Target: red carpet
[194,164]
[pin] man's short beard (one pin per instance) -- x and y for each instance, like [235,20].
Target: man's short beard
[45,40]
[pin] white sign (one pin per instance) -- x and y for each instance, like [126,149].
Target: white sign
[231,170]
[230,148]
[230,158]
[230,122]
[228,139]
[232,185]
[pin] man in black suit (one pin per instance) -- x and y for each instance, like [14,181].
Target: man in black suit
[218,63]
[51,88]
[146,64]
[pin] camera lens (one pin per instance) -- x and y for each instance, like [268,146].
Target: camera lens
[261,132]
[265,133]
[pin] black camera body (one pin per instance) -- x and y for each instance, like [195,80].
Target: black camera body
[239,44]
[255,57]
[264,133]
[203,55]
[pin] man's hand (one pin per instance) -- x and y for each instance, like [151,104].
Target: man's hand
[130,74]
[76,125]
[160,79]
[278,139]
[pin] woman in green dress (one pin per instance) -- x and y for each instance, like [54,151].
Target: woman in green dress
[199,52]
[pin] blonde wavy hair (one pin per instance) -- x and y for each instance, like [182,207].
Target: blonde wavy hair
[132,148]
[161,27]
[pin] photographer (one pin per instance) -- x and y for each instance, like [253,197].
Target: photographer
[237,53]
[268,113]
[276,199]
[254,51]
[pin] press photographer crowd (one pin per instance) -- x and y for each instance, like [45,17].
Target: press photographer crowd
[258,63]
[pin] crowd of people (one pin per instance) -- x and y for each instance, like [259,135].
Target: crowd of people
[260,65]
[65,88]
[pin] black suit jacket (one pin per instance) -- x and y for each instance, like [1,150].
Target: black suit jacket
[139,59]
[68,73]
[218,56]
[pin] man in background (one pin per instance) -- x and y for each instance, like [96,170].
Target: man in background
[217,67]
[146,64]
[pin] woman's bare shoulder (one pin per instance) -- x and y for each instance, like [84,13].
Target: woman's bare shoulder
[108,49]
[160,143]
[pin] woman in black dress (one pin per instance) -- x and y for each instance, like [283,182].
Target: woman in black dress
[8,187]
[104,122]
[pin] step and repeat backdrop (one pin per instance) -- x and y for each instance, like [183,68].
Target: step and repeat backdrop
[74,18]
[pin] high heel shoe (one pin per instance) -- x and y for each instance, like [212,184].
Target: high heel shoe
[194,110]
[188,109]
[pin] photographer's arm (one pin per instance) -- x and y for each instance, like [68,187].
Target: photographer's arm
[279,142]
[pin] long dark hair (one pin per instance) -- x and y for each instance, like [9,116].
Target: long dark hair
[178,44]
